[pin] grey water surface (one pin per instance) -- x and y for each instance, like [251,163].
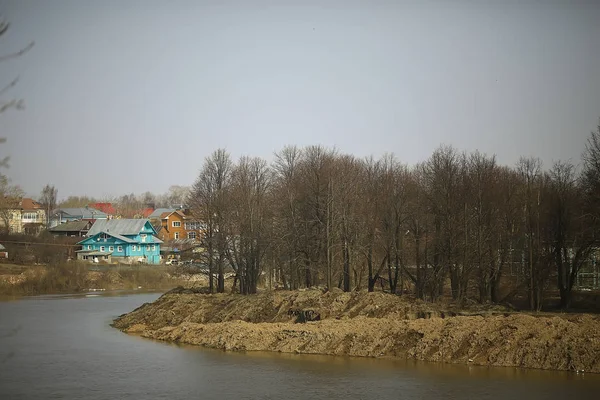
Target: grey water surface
[62,347]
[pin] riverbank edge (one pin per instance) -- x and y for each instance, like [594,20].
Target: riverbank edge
[550,342]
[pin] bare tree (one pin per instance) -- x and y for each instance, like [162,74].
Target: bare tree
[442,176]
[569,235]
[48,200]
[10,199]
[209,201]
[248,228]
[590,178]
[530,170]
[315,170]
[177,195]
[12,103]
[129,206]
[286,188]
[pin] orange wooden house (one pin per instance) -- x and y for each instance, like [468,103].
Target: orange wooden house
[172,224]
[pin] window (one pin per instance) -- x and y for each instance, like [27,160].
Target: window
[147,247]
[143,236]
[193,226]
[111,248]
[176,224]
[192,235]
[89,246]
[176,235]
[153,247]
[102,248]
[133,247]
[120,248]
[30,215]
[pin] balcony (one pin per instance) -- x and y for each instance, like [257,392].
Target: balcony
[32,219]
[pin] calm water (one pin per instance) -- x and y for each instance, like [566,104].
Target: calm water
[64,348]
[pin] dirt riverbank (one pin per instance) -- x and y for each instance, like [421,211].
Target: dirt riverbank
[370,325]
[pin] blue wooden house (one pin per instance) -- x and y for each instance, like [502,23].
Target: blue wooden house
[127,240]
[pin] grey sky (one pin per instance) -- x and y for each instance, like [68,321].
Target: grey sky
[131,96]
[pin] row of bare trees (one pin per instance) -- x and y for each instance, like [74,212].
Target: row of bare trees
[318,217]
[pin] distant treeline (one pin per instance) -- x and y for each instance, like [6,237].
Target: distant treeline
[129,204]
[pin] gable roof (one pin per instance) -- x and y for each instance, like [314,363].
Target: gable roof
[30,204]
[149,240]
[81,212]
[160,211]
[73,226]
[118,226]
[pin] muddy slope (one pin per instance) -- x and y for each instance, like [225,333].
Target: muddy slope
[371,325]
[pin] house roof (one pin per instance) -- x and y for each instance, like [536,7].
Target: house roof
[152,240]
[73,226]
[30,204]
[106,208]
[118,226]
[81,212]
[120,237]
[157,226]
[160,211]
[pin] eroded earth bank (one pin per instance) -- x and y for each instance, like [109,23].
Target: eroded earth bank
[369,325]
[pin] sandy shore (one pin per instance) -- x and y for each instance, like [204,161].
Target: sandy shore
[370,325]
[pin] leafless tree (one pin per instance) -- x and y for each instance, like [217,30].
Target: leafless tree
[442,178]
[208,199]
[530,170]
[248,227]
[287,221]
[48,199]
[12,103]
[10,200]
[590,178]
[568,230]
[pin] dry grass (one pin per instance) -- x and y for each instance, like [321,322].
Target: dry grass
[74,277]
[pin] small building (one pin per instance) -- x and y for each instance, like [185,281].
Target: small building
[33,216]
[124,240]
[94,256]
[73,228]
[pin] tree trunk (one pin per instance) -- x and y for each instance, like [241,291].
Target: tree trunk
[419,283]
[346,253]
[372,280]
[221,276]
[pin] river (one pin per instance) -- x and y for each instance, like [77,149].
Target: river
[62,347]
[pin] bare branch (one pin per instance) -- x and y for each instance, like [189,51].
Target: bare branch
[18,53]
